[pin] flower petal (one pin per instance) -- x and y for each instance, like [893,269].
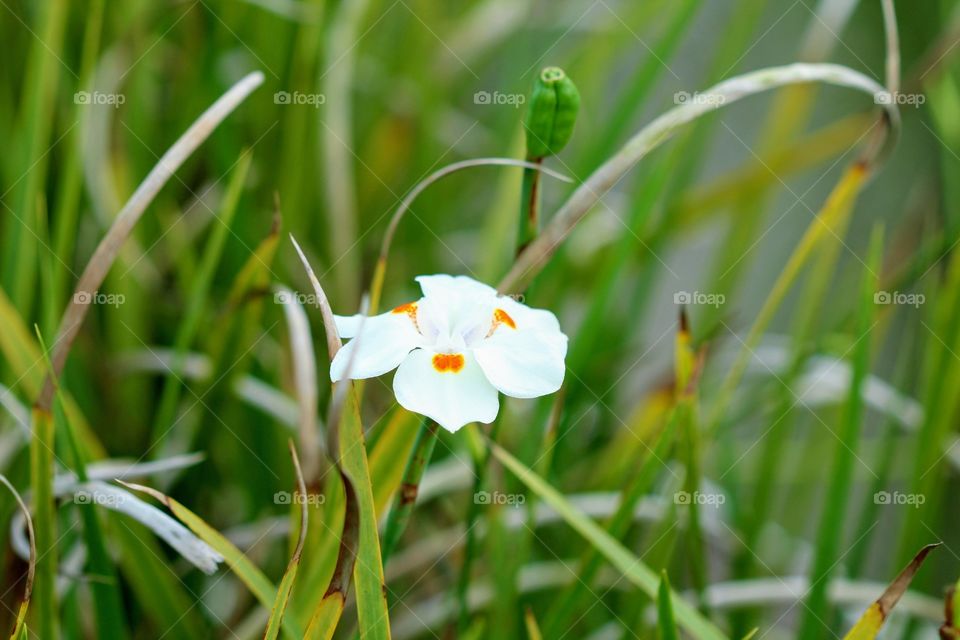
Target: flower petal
[449,388]
[347,326]
[383,343]
[523,363]
[528,318]
[445,286]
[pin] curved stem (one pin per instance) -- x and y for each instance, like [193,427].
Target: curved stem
[380,271]
[660,130]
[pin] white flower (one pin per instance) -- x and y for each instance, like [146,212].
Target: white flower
[456,347]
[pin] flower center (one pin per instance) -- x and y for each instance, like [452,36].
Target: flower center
[448,362]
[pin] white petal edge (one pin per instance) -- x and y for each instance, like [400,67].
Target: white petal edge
[347,326]
[527,317]
[446,286]
[452,400]
[523,363]
[382,344]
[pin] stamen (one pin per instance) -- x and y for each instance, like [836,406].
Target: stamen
[448,362]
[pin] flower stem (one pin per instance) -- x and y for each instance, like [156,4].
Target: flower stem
[409,487]
[529,219]
[480,467]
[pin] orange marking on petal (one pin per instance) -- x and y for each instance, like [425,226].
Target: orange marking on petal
[410,308]
[501,317]
[406,308]
[448,362]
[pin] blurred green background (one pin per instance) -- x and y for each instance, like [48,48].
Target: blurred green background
[362,100]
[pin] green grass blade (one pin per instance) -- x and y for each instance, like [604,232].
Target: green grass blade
[43,69]
[368,570]
[634,569]
[839,487]
[666,623]
[19,626]
[869,624]
[248,573]
[406,499]
[45,610]
[153,582]
[290,575]
[834,213]
[200,291]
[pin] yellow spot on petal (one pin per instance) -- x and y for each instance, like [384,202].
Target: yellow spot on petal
[448,362]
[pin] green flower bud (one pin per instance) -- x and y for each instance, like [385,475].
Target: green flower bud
[552,114]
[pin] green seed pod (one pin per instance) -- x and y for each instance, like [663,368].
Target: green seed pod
[552,113]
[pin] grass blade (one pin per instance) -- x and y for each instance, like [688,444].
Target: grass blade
[46,613]
[99,265]
[834,214]
[666,623]
[839,487]
[290,575]
[530,621]
[869,624]
[368,570]
[417,463]
[199,292]
[19,625]
[653,135]
[248,573]
[631,566]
